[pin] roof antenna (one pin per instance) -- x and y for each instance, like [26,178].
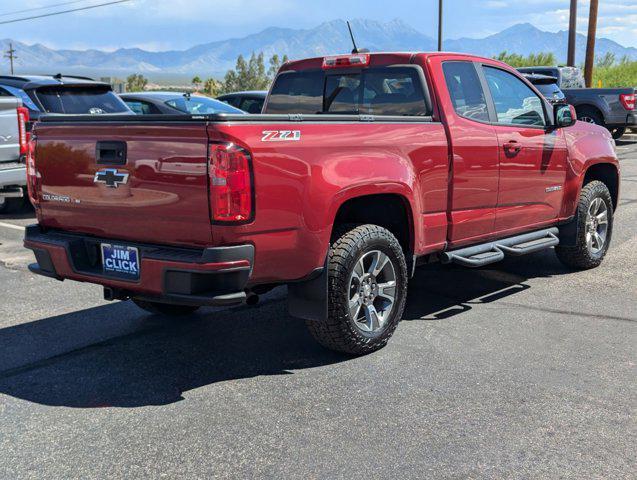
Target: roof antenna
[356,49]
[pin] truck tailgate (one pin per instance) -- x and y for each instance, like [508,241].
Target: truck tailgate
[163,199]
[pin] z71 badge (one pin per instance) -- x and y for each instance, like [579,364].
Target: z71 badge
[280,135]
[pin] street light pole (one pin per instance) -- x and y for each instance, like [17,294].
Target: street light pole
[572,34]
[440,25]
[590,43]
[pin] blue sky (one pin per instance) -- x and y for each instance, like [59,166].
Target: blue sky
[179,24]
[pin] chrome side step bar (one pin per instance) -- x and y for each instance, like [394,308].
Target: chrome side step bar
[491,252]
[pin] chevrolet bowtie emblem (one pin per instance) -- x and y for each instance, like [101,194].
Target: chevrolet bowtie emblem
[111,177]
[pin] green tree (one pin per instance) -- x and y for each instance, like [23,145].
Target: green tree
[212,87]
[196,82]
[136,82]
[275,64]
[608,60]
[534,59]
[251,74]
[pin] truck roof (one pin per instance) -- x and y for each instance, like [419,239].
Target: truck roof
[385,58]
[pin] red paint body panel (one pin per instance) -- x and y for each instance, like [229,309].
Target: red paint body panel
[165,200]
[299,186]
[453,175]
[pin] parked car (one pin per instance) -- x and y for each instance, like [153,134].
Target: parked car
[13,145]
[365,166]
[548,87]
[46,94]
[174,103]
[613,108]
[62,94]
[249,101]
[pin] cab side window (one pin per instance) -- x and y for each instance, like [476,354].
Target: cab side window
[465,90]
[515,103]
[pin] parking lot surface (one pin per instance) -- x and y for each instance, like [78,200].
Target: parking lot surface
[519,370]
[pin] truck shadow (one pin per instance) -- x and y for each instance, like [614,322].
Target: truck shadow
[152,360]
[439,291]
[155,363]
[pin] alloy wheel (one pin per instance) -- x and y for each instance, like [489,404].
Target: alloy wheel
[596,225]
[372,291]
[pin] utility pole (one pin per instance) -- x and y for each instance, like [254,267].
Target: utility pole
[590,43]
[440,25]
[572,34]
[10,54]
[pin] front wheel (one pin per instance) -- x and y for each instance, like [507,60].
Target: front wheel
[166,309]
[594,219]
[367,288]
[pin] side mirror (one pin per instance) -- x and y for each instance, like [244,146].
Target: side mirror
[565,115]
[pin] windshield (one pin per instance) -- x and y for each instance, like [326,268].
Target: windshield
[80,100]
[195,105]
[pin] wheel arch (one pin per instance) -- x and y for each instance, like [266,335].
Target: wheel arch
[606,173]
[392,211]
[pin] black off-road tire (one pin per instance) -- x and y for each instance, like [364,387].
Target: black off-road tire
[12,205]
[166,309]
[339,332]
[617,132]
[579,256]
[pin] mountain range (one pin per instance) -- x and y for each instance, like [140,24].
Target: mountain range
[215,58]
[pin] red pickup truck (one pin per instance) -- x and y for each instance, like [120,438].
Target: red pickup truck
[362,167]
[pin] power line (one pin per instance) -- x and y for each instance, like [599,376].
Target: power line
[61,12]
[7,14]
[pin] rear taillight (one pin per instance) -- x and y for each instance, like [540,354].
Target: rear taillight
[23,118]
[628,100]
[230,183]
[32,173]
[342,61]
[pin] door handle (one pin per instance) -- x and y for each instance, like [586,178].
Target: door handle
[512,147]
[110,153]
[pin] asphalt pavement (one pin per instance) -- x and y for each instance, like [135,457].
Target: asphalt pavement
[519,370]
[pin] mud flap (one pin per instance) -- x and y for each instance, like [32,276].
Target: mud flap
[308,299]
[568,232]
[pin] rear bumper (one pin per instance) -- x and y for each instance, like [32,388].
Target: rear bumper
[13,174]
[629,120]
[208,276]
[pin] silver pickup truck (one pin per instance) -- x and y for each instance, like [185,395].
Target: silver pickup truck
[613,108]
[13,119]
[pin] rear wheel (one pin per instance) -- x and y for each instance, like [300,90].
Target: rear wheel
[617,132]
[367,288]
[12,205]
[590,115]
[167,309]
[594,219]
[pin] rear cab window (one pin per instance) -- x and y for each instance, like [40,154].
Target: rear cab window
[372,91]
[80,100]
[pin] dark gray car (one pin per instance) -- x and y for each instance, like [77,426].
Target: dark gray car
[175,103]
[249,101]
[62,94]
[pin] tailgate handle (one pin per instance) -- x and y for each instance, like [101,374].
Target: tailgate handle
[110,153]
